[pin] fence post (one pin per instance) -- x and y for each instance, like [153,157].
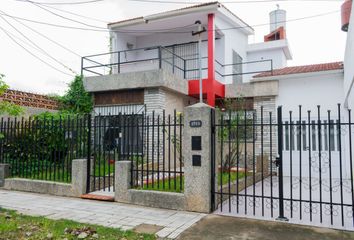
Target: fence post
[89,142]
[4,173]
[122,180]
[198,153]
[280,166]
[118,62]
[79,176]
[160,57]
[184,68]
[82,66]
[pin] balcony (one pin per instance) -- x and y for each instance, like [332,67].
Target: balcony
[160,67]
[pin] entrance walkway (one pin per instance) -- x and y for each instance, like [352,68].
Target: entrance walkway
[108,214]
[267,208]
[220,227]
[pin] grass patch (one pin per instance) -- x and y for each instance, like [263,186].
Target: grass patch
[55,175]
[103,168]
[14,226]
[163,185]
[233,177]
[58,174]
[174,185]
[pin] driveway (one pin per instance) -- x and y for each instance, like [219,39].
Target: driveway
[222,227]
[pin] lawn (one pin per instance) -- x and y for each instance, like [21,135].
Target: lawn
[60,173]
[225,176]
[14,226]
[163,185]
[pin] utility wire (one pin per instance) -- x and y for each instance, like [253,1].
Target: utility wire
[169,30]
[32,54]
[44,36]
[232,2]
[159,30]
[53,24]
[74,14]
[65,3]
[37,46]
[61,16]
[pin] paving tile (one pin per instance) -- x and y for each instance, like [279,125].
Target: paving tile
[165,232]
[108,214]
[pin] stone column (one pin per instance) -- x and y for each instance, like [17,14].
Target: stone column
[4,173]
[197,163]
[79,176]
[122,181]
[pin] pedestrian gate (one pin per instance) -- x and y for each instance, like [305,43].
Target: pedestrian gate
[297,168]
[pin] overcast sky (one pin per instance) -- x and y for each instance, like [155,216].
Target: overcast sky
[314,40]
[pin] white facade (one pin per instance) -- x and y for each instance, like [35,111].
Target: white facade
[349,65]
[232,36]
[311,90]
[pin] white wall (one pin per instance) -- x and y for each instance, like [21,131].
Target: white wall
[349,63]
[277,55]
[231,40]
[235,40]
[321,89]
[325,90]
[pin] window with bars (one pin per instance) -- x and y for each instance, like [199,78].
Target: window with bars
[239,125]
[323,135]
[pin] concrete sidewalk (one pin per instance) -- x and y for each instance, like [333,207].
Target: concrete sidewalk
[109,214]
[221,227]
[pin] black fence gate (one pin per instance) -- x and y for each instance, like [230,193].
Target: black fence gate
[295,167]
[152,142]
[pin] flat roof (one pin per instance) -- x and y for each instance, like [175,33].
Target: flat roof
[176,12]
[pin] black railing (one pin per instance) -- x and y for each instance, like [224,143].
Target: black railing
[151,58]
[297,166]
[133,60]
[43,148]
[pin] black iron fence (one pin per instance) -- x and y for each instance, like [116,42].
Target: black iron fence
[160,165]
[296,166]
[43,147]
[153,144]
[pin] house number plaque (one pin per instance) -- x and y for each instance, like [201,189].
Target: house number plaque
[195,124]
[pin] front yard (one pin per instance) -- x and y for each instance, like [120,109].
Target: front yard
[14,226]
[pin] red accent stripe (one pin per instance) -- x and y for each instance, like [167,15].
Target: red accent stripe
[211,60]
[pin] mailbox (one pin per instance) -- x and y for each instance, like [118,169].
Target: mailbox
[196,160]
[196,143]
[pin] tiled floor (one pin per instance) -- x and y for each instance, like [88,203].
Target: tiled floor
[102,213]
[305,213]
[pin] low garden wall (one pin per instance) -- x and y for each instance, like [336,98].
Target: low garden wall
[76,188]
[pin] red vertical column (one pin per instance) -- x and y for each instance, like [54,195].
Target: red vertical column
[211,60]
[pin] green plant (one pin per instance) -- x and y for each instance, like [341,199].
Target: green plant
[76,100]
[45,145]
[232,130]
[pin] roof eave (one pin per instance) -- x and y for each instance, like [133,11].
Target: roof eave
[297,75]
[236,20]
[213,7]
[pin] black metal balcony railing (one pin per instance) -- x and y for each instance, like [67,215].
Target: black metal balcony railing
[152,58]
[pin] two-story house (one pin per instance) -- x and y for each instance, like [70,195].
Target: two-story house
[153,65]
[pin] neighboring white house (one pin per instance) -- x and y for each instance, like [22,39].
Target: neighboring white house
[349,64]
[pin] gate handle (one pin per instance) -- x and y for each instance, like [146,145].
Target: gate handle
[277,161]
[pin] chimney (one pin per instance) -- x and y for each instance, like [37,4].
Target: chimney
[346,10]
[277,25]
